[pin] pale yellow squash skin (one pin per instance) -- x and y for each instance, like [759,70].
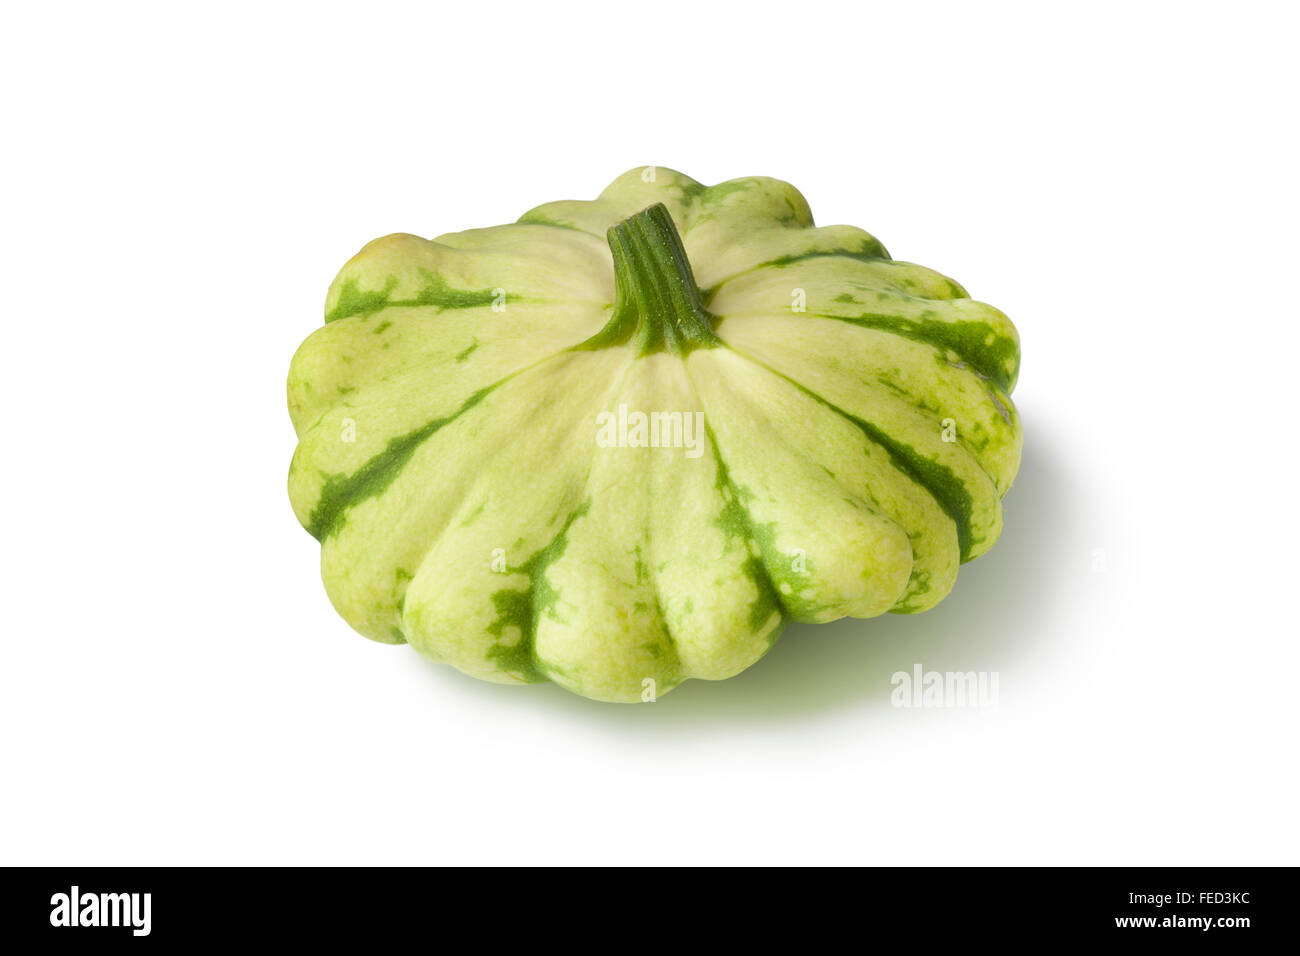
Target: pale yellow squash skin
[859,436]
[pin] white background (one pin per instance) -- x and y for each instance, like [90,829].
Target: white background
[179,190]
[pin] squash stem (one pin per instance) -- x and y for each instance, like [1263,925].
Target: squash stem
[657,303]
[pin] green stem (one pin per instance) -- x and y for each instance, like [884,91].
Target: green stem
[657,304]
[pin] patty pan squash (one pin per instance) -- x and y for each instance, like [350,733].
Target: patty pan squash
[620,443]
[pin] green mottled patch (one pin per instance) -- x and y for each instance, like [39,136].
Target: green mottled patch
[869,249]
[435,292]
[521,609]
[535,218]
[353,301]
[735,523]
[717,195]
[918,587]
[995,357]
[945,487]
[689,192]
[342,492]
